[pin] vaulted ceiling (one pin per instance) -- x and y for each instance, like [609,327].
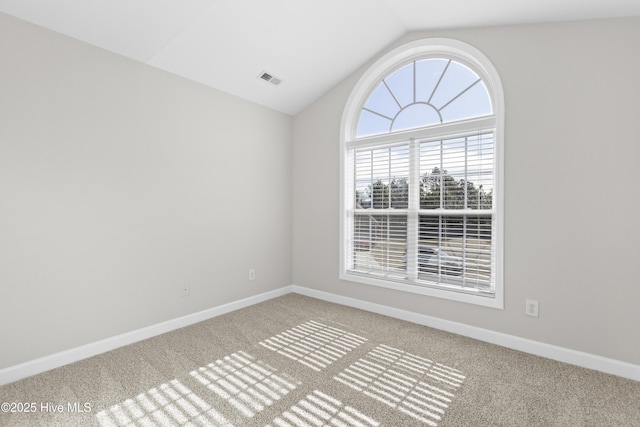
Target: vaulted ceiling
[309,44]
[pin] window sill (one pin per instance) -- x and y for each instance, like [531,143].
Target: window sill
[453,293]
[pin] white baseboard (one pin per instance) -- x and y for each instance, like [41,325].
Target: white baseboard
[585,360]
[43,364]
[561,354]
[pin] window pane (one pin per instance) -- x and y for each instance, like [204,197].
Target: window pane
[428,72]
[372,124]
[379,244]
[455,250]
[382,178]
[457,173]
[401,85]
[456,78]
[382,102]
[473,103]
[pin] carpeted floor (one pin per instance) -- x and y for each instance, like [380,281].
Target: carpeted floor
[297,361]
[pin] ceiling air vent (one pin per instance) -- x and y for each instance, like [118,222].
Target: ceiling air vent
[270,78]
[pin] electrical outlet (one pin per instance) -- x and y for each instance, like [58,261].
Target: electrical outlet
[252,274]
[531,308]
[185,291]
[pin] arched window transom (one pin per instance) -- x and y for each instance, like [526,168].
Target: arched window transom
[424,93]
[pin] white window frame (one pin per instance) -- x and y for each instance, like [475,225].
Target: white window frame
[387,64]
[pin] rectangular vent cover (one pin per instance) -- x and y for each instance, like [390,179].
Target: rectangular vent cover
[270,78]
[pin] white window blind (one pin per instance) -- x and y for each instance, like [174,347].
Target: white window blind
[448,211]
[455,238]
[380,217]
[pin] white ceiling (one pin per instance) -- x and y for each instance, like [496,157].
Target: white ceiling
[310,44]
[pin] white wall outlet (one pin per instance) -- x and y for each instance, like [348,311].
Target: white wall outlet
[531,308]
[185,290]
[252,274]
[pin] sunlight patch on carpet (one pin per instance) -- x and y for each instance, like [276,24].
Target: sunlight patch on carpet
[411,384]
[248,385]
[314,344]
[320,409]
[169,404]
[240,381]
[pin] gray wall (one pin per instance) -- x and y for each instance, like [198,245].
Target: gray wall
[572,198]
[119,184]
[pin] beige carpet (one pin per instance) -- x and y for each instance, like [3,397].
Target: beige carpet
[297,361]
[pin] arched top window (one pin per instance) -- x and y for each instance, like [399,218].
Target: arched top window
[421,174]
[422,93]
